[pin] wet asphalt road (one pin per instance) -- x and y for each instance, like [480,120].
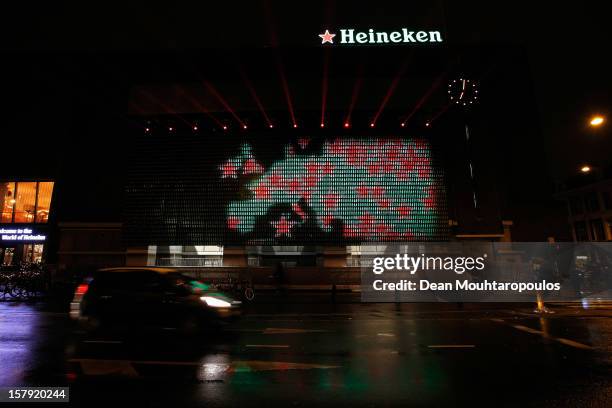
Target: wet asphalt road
[309,354]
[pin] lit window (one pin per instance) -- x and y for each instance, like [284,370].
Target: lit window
[33,252]
[7,201]
[45,190]
[25,202]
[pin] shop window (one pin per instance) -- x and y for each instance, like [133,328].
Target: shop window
[7,201]
[33,252]
[45,190]
[25,205]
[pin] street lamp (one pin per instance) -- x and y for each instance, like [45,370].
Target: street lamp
[585,169]
[596,121]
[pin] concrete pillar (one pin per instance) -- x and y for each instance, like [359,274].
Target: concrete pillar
[235,256]
[334,256]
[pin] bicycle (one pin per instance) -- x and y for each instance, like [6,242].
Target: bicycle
[24,283]
[240,287]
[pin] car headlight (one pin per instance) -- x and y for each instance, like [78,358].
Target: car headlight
[215,302]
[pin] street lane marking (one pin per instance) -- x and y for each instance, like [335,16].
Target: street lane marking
[385,334]
[283,330]
[561,340]
[436,346]
[268,345]
[250,365]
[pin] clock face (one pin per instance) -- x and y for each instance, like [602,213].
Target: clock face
[463,91]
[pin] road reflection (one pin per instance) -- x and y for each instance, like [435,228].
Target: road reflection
[19,333]
[378,353]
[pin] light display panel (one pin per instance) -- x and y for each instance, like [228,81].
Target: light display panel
[303,190]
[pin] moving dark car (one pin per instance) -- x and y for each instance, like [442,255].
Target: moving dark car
[150,297]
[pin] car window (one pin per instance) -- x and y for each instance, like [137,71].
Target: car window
[128,280]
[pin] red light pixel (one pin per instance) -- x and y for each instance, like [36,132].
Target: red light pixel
[261,191]
[233,222]
[283,226]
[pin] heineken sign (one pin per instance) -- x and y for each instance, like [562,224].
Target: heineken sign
[402,36]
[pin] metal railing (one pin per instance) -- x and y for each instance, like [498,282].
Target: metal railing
[189,262]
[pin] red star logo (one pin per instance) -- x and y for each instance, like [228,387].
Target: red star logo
[283,226]
[229,170]
[327,37]
[252,167]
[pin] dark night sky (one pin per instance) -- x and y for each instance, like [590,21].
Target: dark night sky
[68,67]
[567,45]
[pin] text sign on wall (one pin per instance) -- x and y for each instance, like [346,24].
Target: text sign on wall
[371,36]
[20,234]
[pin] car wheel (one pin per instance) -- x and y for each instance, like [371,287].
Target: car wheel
[249,293]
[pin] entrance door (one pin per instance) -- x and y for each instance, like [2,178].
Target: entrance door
[7,256]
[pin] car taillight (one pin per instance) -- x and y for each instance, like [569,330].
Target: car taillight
[82,289]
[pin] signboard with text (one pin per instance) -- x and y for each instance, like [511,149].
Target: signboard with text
[13,234]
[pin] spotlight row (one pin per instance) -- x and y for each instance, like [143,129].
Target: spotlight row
[345,125]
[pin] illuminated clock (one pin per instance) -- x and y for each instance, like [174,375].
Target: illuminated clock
[463,91]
